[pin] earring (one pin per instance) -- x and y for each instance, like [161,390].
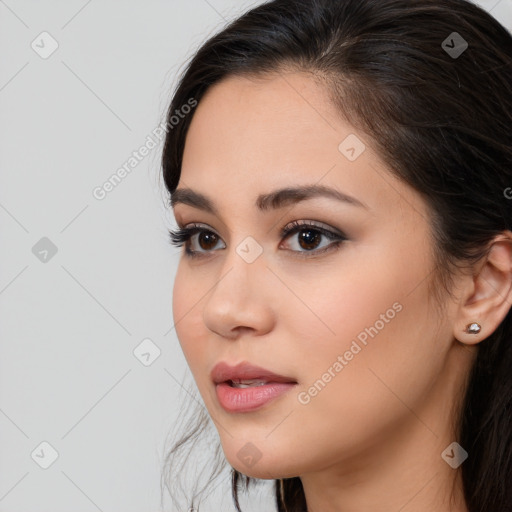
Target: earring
[473,328]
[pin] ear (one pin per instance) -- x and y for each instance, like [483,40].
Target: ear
[487,297]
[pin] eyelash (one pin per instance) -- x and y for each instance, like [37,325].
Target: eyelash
[181,236]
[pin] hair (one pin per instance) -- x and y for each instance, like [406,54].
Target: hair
[441,122]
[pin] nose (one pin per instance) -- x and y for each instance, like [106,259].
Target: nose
[240,300]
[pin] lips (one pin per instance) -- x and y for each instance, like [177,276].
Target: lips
[223,372]
[246,388]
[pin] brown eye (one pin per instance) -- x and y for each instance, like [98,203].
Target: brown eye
[309,238]
[306,238]
[207,240]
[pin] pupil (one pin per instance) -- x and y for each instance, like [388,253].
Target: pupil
[309,240]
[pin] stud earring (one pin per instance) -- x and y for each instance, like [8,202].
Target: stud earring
[473,328]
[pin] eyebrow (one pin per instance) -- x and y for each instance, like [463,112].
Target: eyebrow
[273,200]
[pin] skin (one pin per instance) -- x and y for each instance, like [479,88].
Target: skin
[372,438]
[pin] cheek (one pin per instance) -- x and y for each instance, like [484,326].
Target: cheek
[378,322]
[186,303]
[347,300]
[364,298]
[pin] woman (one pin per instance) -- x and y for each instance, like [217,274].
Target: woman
[342,189]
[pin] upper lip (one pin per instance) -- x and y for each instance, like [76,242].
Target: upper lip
[223,372]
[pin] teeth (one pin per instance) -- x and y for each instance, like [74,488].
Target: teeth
[248,383]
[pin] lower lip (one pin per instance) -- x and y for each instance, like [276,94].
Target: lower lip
[251,398]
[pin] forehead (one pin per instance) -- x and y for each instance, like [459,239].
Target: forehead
[276,106]
[268,125]
[252,135]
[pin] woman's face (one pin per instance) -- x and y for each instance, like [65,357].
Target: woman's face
[349,324]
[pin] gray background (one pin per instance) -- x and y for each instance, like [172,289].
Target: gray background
[70,321]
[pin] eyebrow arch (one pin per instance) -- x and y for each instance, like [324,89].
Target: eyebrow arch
[273,200]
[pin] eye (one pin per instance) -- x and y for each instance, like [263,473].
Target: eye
[206,238]
[310,235]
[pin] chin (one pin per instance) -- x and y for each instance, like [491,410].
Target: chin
[257,459]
